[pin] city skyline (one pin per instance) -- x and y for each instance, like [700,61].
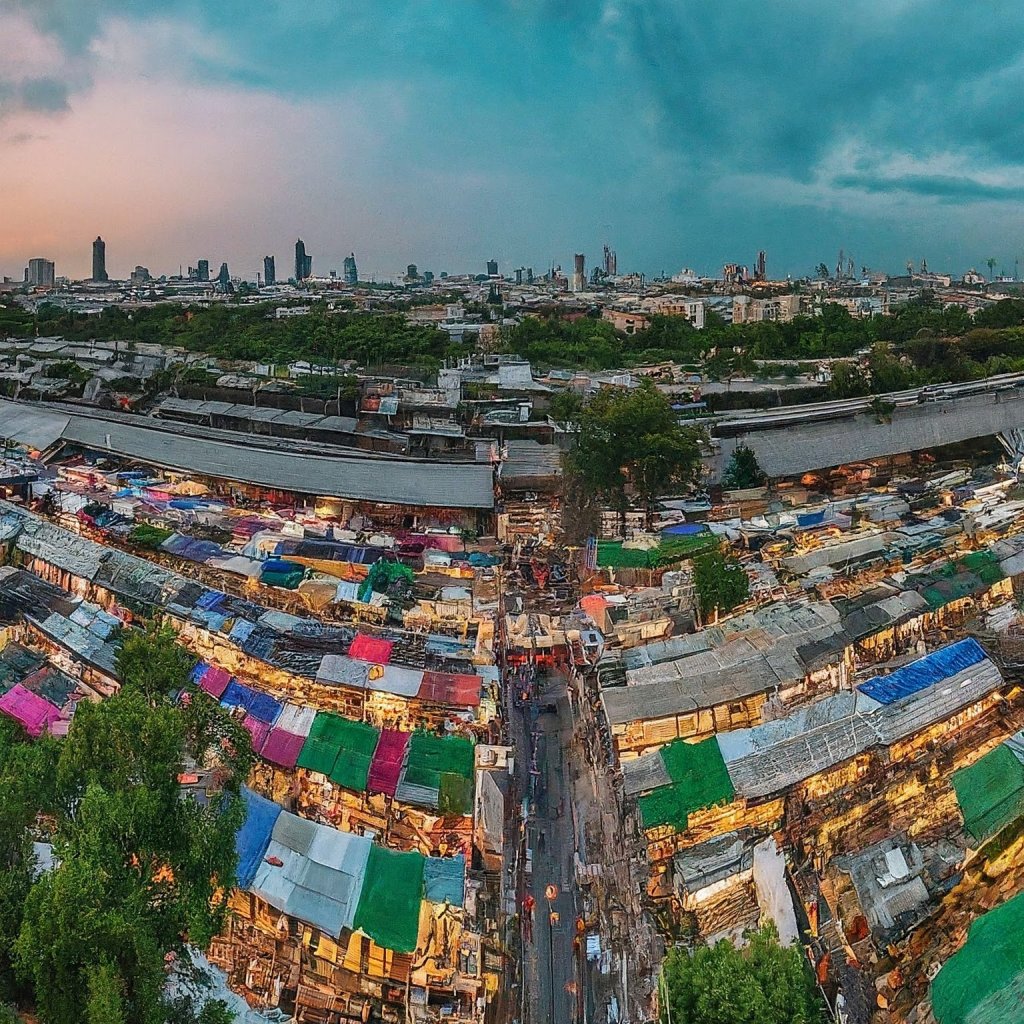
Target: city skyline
[678,138]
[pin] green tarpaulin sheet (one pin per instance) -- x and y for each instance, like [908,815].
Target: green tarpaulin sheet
[990,793]
[985,978]
[699,780]
[358,741]
[611,553]
[389,906]
[432,756]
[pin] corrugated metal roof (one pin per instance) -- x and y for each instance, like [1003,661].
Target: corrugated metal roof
[403,482]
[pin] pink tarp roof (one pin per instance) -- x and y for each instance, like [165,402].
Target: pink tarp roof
[215,681]
[388,758]
[34,712]
[368,648]
[282,748]
[258,730]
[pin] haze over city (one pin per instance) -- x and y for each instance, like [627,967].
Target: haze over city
[444,134]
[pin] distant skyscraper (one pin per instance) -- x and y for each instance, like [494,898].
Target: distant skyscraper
[428,277]
[200,272]
[269,273]
[350,272]
[224,278]
[519,275]
[761,267]
[412,273]
[99,260]
[140,276]
[303,263]
[40,273]
[611,262]
[579,272]
[529,275]
[492,268]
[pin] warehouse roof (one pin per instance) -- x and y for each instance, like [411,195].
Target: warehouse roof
[252,460]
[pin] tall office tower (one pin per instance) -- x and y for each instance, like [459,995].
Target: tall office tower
[578,274]
[411,273]
[140,276]
[303,263]
[40,273]
[223,277]
[349,270]
[611,262]
[519,275]
[428,277]
[529,275]
[203,270]
[761,267]
[492,268]
[269,273]
[99,260]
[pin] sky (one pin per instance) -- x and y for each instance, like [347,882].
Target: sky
[449,132]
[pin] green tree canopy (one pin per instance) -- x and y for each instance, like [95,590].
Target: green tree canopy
[743,470]
[631,443]
[142,868]
[721,583]
[764,983]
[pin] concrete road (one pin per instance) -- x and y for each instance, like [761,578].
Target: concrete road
[551,968]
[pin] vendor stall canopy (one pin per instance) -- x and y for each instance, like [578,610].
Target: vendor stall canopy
[983,982]
[990,792]
[338,881]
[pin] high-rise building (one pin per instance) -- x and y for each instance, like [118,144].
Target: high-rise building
[529,275]
[40,273]
[200,272]
[579,278]
[611,262]
[303,262]
[411,273]
[761,267]
[428,277]
[224,278]
[140,276]
[269,273]
[99,260]
[492,268]
[350,272]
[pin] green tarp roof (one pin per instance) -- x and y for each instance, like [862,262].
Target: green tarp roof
[699,780]
[990,792]
[612,554]
[389,906]
[986,976]
[430,757]
[340,748]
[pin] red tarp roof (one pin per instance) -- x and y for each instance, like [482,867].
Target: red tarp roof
[34,712]
[368,648]
[450,688]
[388,758]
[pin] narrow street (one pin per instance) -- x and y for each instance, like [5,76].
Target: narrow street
[551,959]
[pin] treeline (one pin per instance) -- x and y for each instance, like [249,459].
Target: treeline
[247,332]
[922,341]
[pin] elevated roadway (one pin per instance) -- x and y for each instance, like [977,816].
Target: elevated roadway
[797,439]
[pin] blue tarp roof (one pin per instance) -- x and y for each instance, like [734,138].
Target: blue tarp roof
[927,671]
[685,529]
[259,705]
[253,838]
[444,879]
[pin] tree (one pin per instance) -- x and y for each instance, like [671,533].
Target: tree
[721,583]
[765,983]
[566,407]
[631,444]
[141,869]
[743,470]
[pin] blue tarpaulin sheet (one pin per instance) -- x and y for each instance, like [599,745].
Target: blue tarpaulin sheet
[924,672]
[259,705]
[444,879]
[810,518]
[685,529]
[210,600]
[241,630]
[253,838]
[197,672]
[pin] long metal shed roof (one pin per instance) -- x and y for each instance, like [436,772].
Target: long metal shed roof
[394,481]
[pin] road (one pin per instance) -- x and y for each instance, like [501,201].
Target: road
[551,960]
